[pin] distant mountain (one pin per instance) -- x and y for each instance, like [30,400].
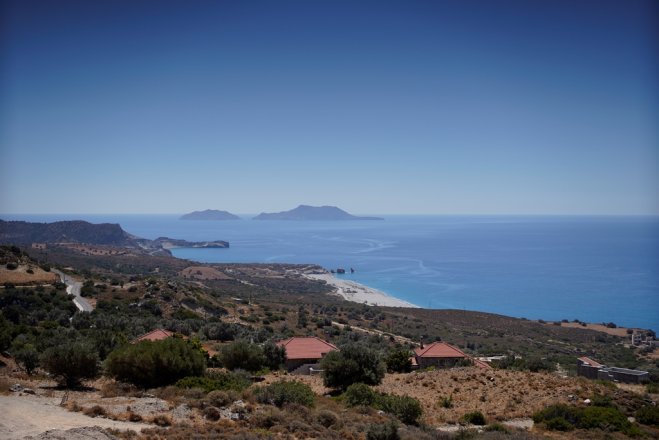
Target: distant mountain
[210,214]
[105,234]
[76,231]
[305,212]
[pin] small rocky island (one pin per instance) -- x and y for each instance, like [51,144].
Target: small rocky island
[318,213]
[210,214]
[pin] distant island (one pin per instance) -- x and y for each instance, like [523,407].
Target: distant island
[210,214]
[82,232]
[306,212]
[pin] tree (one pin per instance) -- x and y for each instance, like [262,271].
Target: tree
[242,355]
[151,364]
[275,355]
[71,362]
[5,333]
[353,363]
[399,361]
[28,357]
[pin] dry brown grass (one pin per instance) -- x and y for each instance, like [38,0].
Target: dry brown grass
[4,386]
[20,276]
[203,273]
[618,331]
[498,394]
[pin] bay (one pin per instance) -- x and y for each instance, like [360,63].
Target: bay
[596,269]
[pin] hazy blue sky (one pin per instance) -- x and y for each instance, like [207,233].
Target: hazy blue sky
[377,107]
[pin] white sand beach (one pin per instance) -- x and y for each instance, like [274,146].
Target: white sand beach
[353,291]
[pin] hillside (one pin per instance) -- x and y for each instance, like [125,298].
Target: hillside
[77,232]
[219,304]
[318,213]
[210,214]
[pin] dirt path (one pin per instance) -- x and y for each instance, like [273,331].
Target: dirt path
[22,416]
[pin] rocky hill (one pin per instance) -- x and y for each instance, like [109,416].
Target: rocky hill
[306,212]
[209,214]
[103,234]
[76,231]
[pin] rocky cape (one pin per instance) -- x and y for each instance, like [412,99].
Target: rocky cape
[210,214]
[82,232]
[318,213]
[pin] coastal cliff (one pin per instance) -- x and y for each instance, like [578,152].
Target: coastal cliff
[102,234]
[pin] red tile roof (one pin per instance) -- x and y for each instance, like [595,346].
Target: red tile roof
[306,348]
[439,350]
[154,335]
[589,361]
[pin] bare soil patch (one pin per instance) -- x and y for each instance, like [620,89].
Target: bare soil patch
[204,273]
[21,276]
[618,331]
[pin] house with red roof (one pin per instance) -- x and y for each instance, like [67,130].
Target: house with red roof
[305,351]
[443,355]
[154,335]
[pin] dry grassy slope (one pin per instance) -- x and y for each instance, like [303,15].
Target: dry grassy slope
[276,287]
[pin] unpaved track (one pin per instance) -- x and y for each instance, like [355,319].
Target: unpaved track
[26,415]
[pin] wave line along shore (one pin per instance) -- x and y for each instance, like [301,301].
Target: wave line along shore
[359,293]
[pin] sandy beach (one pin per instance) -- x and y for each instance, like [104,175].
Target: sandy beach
[356,292]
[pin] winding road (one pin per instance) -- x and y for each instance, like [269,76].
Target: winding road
[73,288]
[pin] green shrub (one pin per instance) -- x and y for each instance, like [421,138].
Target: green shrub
[359,394]
[283,392]
[407,409]
[475,418]
[399,361]
[71,362]
[565,418]
[154,364]
[608,419]
[446,402]
[235,381]
[387,431]
[496,427]
[222,398]
[559,424]
[354,363]
[242,355]
[327,418]
[648,415]
[653,387]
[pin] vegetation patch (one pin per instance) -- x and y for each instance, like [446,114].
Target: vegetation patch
[154,364]
[407,409]
[286,392]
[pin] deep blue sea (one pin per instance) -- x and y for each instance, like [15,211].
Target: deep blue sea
[596,269]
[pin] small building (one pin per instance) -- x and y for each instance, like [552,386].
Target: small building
[154,335]
[304,353]
[591,369]
[438,354]
[443,355]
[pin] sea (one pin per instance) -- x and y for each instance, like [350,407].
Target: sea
[590,268]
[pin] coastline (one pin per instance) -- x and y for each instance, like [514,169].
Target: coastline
[359,293]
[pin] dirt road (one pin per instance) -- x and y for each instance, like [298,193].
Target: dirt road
[26,415]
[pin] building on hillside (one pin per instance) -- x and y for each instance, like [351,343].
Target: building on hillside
[591,369]
[154,335]
[443,355]
[438,354]
[304,353]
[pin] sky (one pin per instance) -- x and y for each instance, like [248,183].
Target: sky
[381,107]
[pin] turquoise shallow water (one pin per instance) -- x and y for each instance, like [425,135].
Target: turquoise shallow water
[597,269]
